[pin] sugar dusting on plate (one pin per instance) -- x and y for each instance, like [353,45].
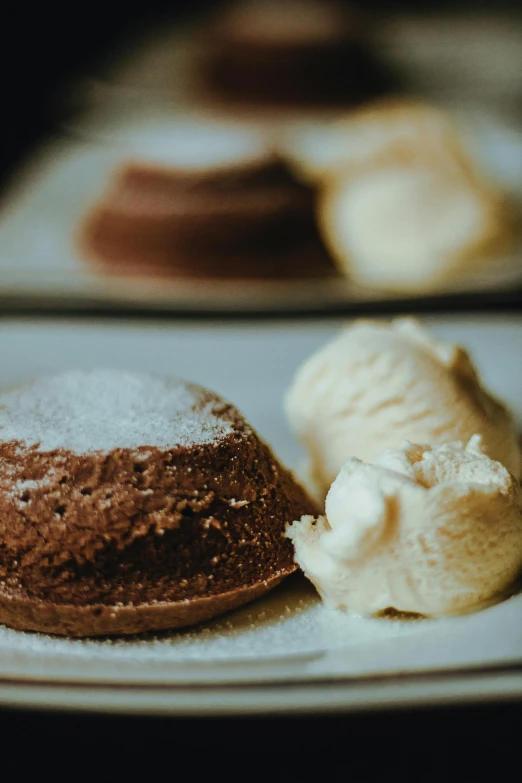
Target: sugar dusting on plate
[289,621]
[101,410]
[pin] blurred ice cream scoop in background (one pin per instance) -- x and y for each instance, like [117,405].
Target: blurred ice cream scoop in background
[402,206]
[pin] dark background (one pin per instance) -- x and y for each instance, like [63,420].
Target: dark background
[45,45]
[463,744]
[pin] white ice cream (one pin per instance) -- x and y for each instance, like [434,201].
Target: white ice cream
[378,384]
[426,530]
[402,206]
[413,228]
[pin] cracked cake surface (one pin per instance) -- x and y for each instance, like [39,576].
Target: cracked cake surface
[132,502]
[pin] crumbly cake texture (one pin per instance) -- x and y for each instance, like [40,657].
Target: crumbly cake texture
[132,503]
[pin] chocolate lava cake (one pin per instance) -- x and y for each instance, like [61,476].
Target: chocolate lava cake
[131,503]
[245,217]
[300,53]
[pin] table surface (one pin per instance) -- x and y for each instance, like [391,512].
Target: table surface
[414,745]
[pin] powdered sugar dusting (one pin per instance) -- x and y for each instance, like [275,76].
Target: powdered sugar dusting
[101,410]
[290,620]
[284,634]
[19,488]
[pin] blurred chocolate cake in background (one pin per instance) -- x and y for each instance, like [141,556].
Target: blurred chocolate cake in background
[204,200]
[293,52]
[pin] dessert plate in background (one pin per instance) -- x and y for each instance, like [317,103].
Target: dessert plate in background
[40,263]
[446,56]
[452,60]
[284,651]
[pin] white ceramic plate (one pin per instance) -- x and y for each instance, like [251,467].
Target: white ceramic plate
[284,651]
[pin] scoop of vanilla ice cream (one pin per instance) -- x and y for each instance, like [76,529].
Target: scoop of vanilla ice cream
[411,228]
[380,383]
[429,530]
[401,205]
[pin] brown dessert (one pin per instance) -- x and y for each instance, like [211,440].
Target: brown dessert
[300,52]
[252,221]
[130,503]
[205,202]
